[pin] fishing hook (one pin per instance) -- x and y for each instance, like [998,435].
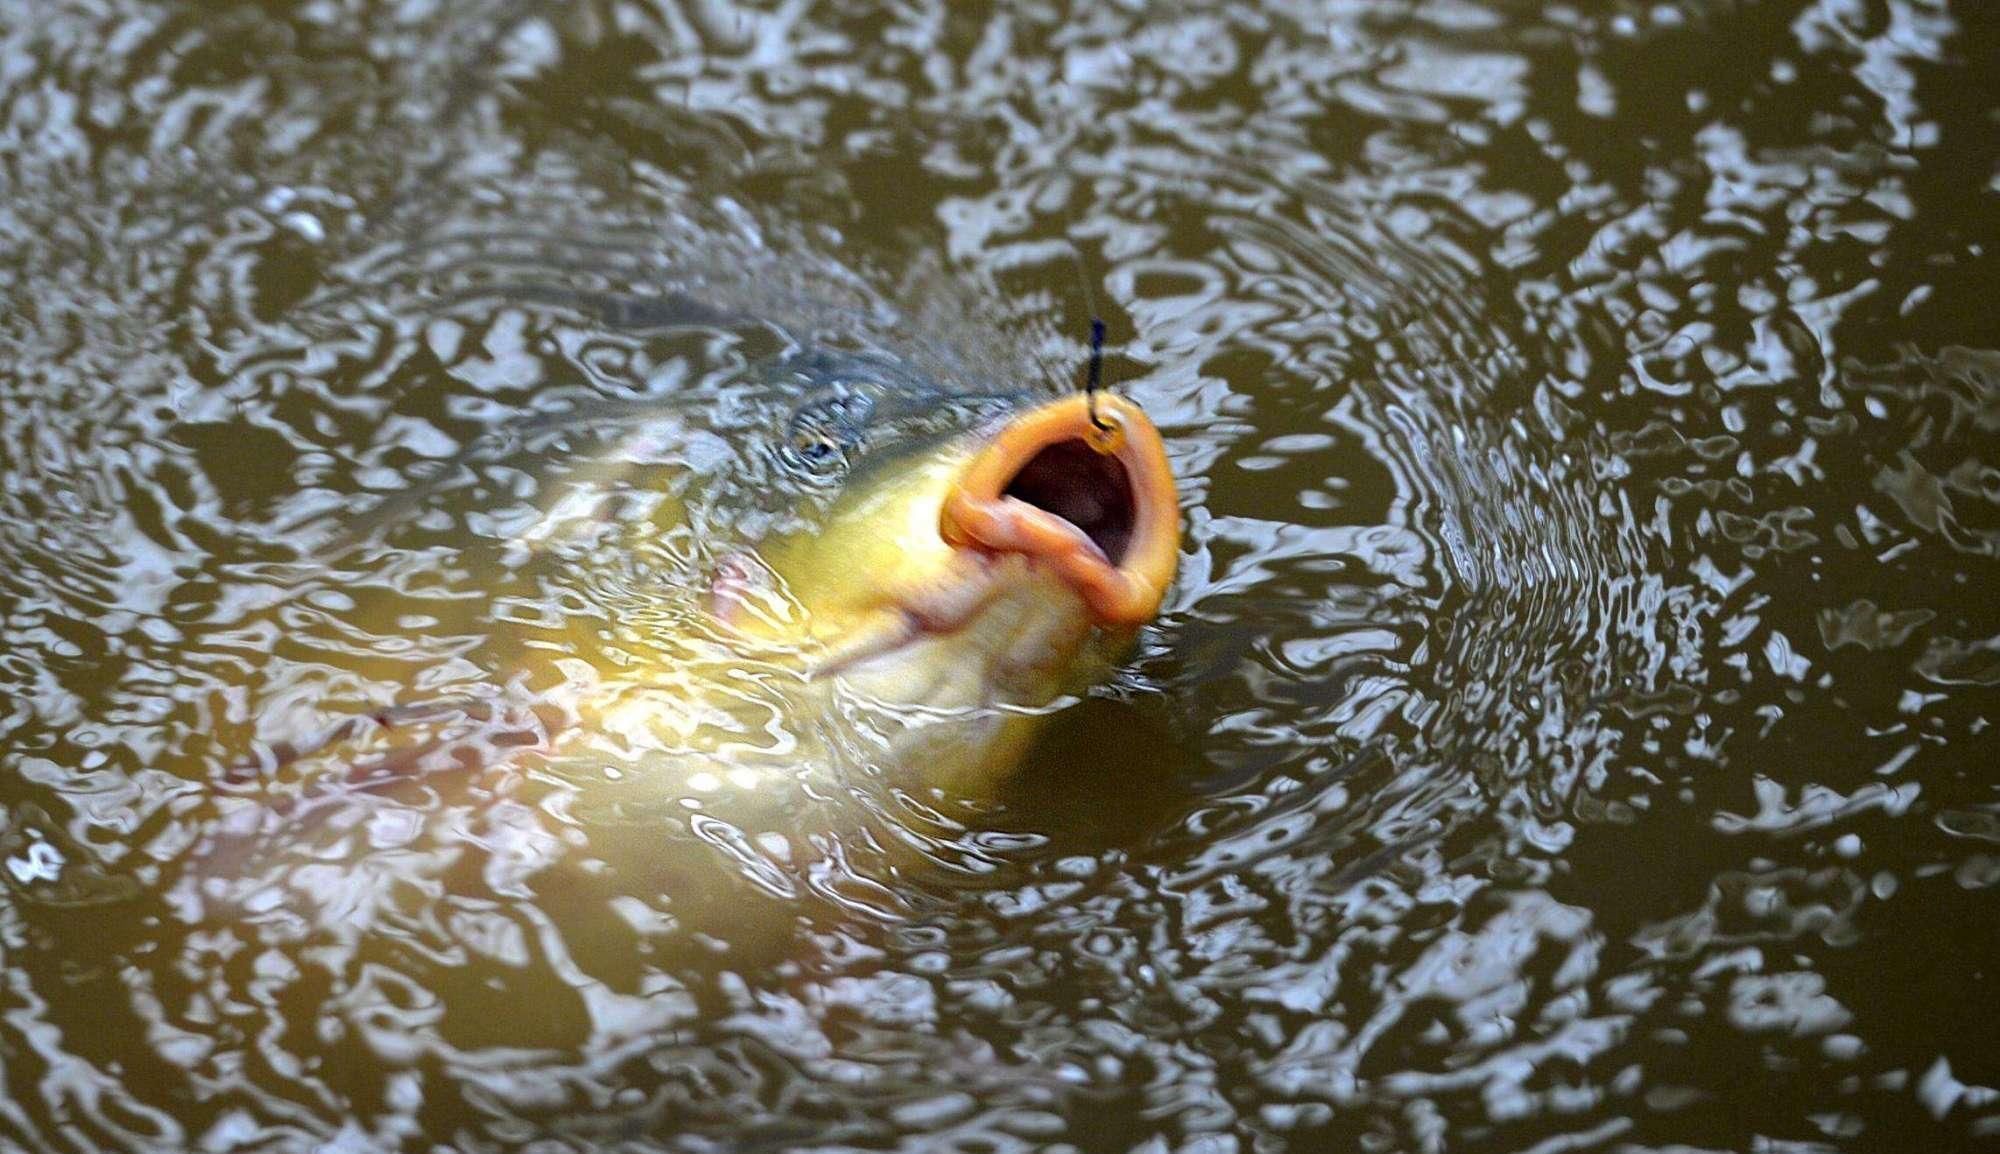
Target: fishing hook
[1094,382]
[1108,433]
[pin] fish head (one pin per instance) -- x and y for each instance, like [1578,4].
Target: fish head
[982,554]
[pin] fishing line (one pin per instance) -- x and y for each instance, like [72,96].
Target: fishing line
[1108,432]
[1093,384]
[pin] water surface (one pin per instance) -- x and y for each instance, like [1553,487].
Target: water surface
[1571,730]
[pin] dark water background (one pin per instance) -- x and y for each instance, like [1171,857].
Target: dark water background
[1571,730]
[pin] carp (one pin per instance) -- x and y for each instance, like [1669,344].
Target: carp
[930,574]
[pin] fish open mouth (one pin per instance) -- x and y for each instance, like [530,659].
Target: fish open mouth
[1092,499]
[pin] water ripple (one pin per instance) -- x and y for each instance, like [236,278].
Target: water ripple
[1565,733]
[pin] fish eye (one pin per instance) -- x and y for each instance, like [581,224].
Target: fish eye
[814,447]
[825,431]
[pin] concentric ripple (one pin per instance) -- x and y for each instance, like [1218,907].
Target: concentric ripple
[1569,732]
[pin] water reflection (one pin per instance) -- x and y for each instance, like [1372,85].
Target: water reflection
[1564,734]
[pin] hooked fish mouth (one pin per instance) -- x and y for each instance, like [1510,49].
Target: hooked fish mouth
[1093,499]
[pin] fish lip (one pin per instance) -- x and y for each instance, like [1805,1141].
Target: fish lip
[980,513]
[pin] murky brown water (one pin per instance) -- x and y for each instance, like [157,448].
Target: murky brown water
[1571,730]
